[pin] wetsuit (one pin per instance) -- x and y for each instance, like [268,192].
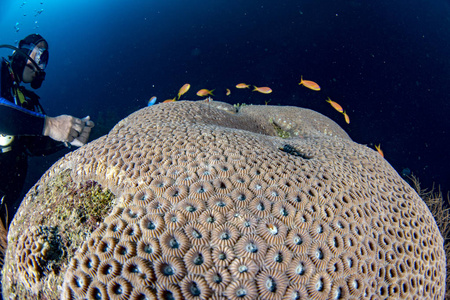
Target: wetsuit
[22,120]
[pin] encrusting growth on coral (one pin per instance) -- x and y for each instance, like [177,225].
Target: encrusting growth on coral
[188,200]
[441,213]
[62,216]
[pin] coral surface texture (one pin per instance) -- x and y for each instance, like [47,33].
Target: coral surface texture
[203,200]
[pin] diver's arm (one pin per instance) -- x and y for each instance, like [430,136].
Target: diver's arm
[15,120]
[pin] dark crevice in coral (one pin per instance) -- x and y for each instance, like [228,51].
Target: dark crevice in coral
[291,150]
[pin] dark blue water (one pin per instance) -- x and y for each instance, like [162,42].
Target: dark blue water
[386,62]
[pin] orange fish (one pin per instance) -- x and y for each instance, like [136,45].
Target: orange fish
[228,92]
[204,92]
[379,150]
[264,89]
[309,84]
[347,119]
[243,86]
[183,90]
[170,100]
[335,105]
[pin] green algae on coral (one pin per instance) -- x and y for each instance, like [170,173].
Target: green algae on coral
[67,213]
[280,132]
[238,106]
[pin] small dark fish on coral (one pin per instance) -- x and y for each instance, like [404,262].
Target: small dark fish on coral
[291,150]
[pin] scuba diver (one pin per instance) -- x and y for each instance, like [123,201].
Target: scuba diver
[25,130]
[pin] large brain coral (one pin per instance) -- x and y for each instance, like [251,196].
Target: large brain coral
[193,200]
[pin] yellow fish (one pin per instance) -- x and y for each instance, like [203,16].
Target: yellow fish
[204,92]
[243,86]
[264,89]
[183,90]
[347,119]
[335,105]
[170,100]
[309,84]
[228,92]
[378,147]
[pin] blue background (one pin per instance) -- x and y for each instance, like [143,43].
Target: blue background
[386,62]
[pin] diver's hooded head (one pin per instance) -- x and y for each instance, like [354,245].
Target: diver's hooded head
[40,55]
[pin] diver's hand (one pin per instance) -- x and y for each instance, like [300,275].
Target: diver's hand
[84,134]
[69,129]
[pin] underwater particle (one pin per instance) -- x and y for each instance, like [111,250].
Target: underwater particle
[16,27]
[262,90]
[309,84]
[38,12]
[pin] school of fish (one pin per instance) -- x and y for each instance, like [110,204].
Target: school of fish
[263,90]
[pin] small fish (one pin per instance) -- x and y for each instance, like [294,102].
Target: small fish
[346,117]
[204,92]
[309,84]
[243,86]
[264,89]
[151,101]
[183,90]
[335,105]
[378,147]
[170,100]
[228,92]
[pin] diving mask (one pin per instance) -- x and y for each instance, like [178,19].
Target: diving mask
[38,58]
[39,55]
